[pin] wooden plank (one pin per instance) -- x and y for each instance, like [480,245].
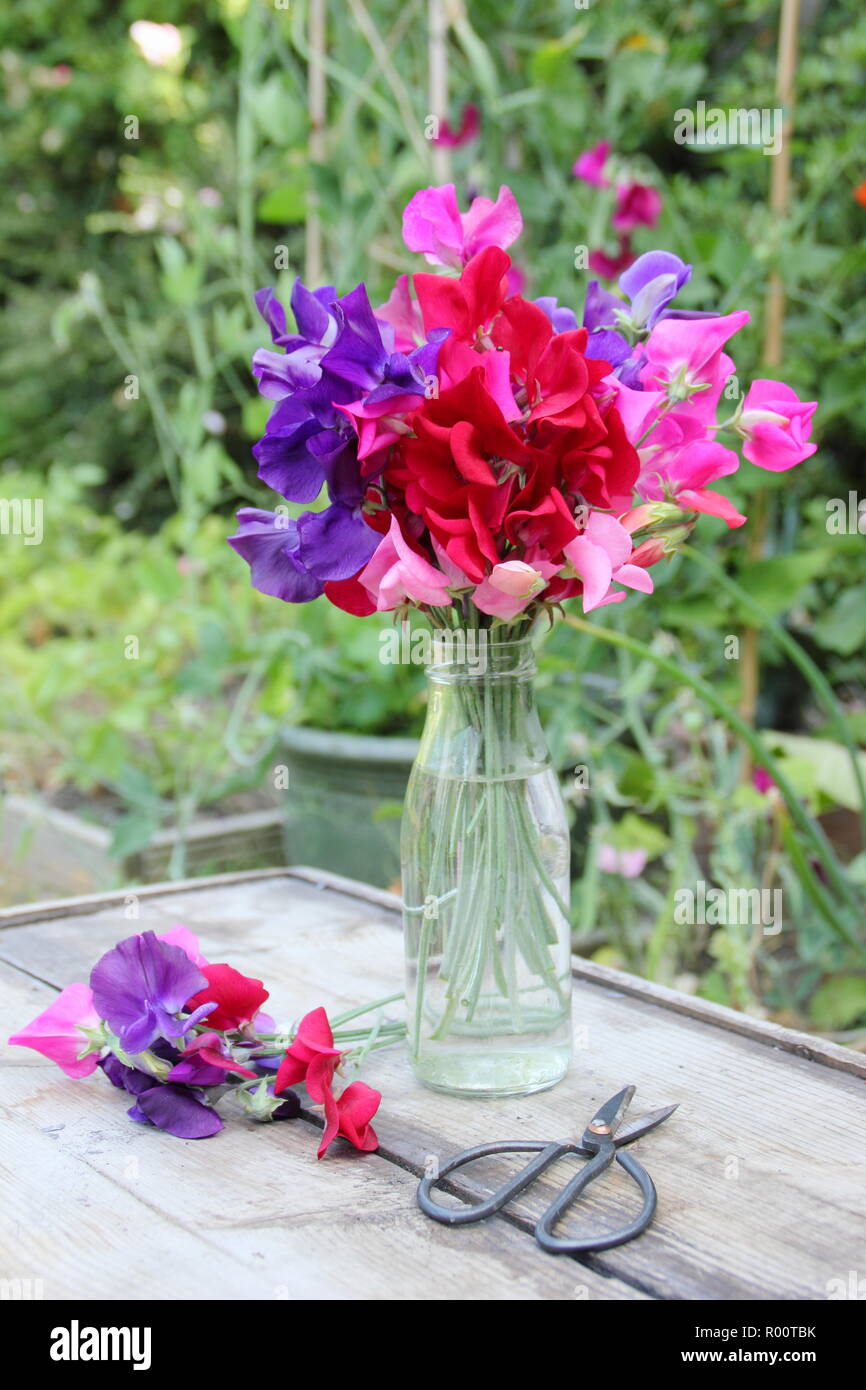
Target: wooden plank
[96,1206]
[746,1209]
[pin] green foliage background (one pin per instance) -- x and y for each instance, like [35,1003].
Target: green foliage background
[128,258]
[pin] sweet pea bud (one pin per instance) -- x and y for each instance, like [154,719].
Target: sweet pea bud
[650,514]
[261,1104]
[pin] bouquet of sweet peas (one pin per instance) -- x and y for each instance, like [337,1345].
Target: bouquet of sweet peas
[176,1033]
[484,456]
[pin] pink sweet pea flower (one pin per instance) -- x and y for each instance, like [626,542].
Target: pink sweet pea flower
[600,556]
[187,941]
[396,572]
[637,205]
[628,863]
[58,1031]
[201,1057]
[775,424]
[508,589]
[684,357]
[678,462]
[589,166]
[470,125]
[378,424]
[403,313]
[434,224]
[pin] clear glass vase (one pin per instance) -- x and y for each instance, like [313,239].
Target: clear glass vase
[485,854]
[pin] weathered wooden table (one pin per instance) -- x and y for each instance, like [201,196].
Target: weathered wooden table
[760,1173]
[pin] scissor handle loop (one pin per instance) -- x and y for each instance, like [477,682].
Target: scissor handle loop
[556,1245]
[450,1216]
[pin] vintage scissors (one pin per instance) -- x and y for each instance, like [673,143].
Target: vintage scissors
[601,1139]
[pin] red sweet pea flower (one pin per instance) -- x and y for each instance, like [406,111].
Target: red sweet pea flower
[467,305]
[349,1115]
[459,472]
[238,997]
[313,1043]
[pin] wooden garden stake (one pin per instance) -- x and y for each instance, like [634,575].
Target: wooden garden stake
[317,99]
[774,316]
[437,64]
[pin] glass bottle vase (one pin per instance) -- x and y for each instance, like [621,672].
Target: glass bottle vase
[485,856]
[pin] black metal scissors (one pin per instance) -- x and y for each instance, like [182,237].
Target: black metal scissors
[601,1139]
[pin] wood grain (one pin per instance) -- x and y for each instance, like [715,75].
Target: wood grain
[756,1201]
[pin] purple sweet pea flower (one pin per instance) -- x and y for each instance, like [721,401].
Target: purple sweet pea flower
[651,283]
[562,318]
[140,985]
[176,1109]
[269,543]
[599,316]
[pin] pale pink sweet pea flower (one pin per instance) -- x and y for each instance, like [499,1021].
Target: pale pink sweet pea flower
[600,556]
[403,313]
[775,424]
[628,863]
[508,588]
[589,166]
[187,940]
[434,224]
[397,573]
[57,1031]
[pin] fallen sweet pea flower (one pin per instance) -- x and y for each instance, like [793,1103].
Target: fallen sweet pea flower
[66,1031]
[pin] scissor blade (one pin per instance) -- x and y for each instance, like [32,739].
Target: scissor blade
[642,1124]
[613,1110]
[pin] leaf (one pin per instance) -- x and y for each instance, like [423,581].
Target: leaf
[843,628]
[839,1003]
[286,204]
[132,833]
[775,583]
[633,832]
[831,764]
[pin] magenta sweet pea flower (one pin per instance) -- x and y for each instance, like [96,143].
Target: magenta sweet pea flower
[589,166]
[434,224]
[775,424]
[470,125]
[58,1032]
[637,205]
[141,985]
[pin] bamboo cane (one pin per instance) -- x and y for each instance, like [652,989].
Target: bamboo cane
[317,108]
[774,317]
